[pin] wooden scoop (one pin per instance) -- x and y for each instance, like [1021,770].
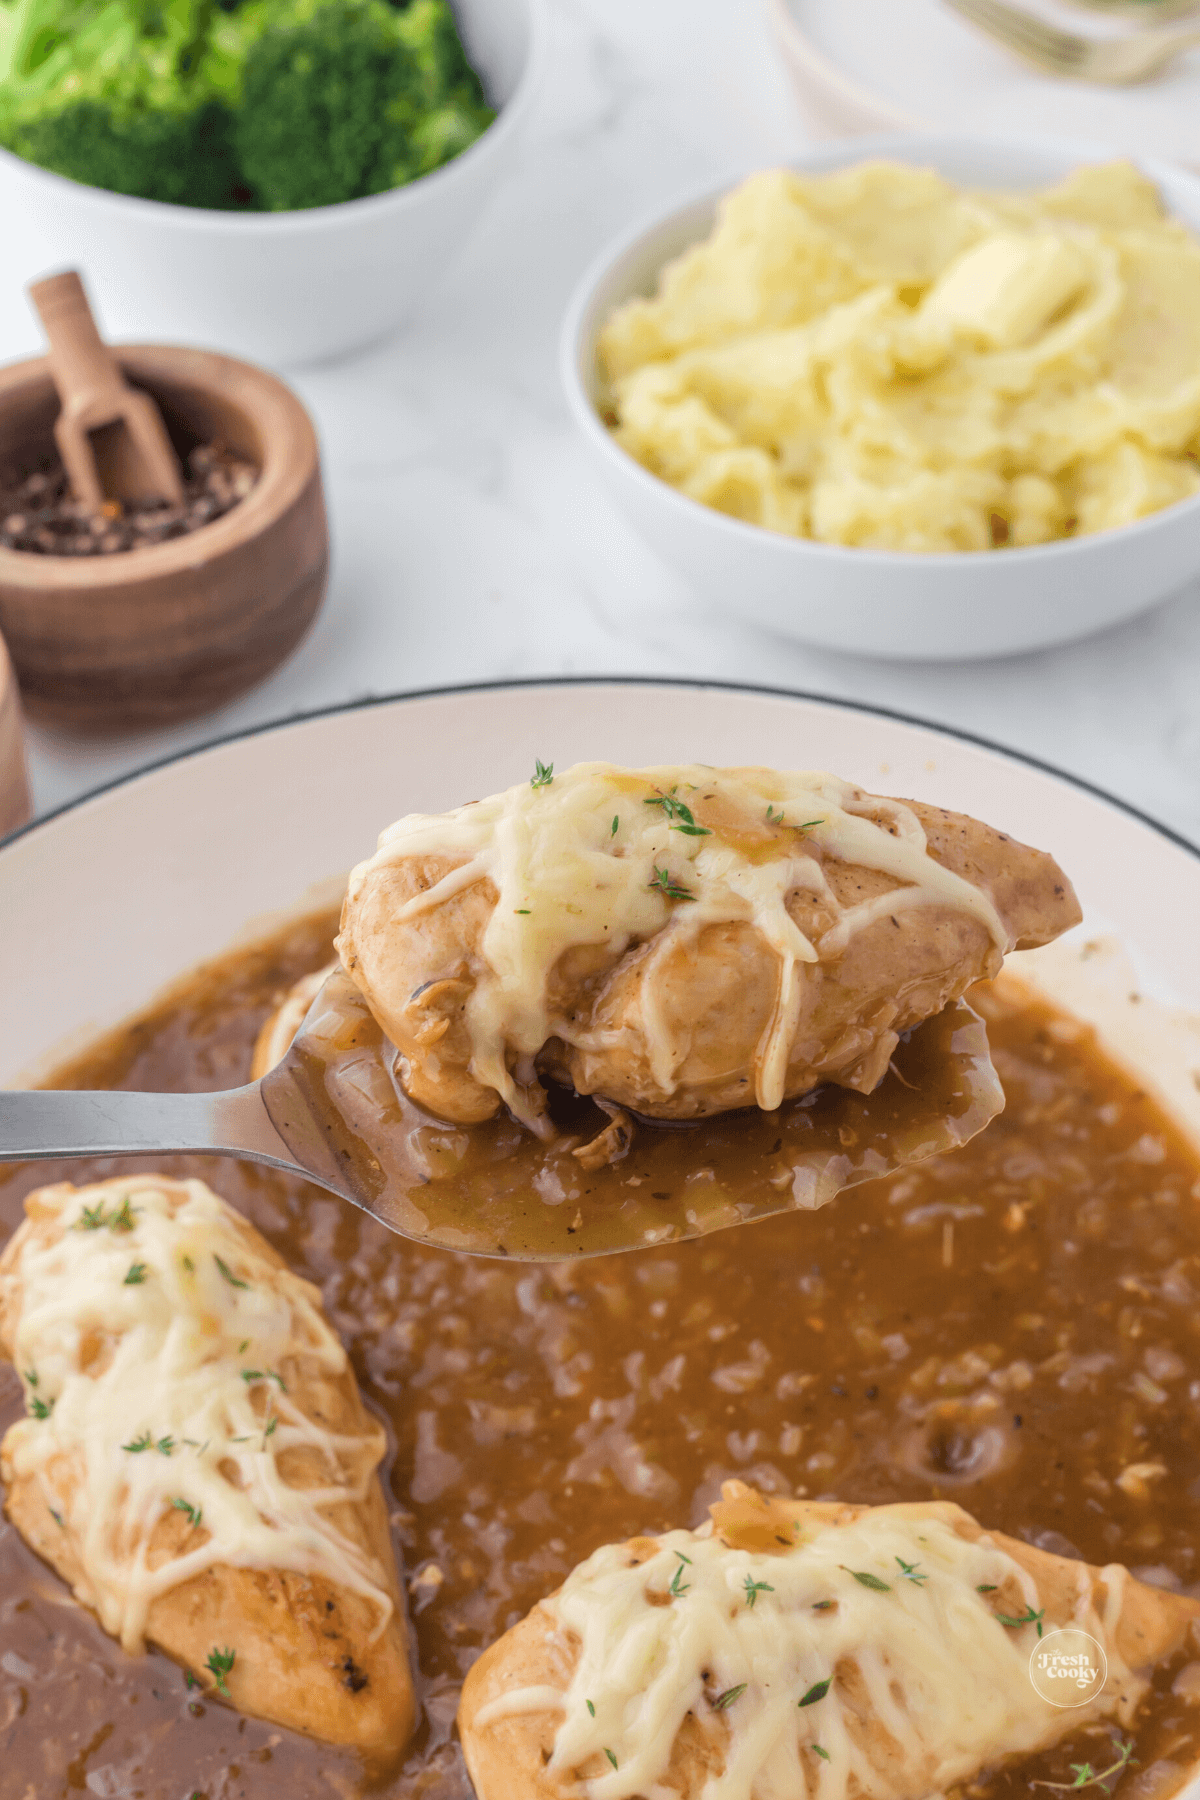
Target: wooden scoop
[111,438]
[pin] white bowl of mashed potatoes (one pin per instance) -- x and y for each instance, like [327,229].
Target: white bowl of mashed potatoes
[916,397]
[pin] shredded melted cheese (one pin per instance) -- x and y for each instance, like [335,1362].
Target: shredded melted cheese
[603,855]
[697,1627]
[152,1337]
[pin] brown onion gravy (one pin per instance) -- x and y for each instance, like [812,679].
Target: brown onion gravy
[1011,1326]
[494,1188]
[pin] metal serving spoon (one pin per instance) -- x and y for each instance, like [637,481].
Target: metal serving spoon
[334,1112]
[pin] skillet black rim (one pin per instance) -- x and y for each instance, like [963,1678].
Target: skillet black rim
[698,683]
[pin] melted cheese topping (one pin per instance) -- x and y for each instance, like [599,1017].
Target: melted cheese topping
[603,855]
[942,1676]
[151,1336]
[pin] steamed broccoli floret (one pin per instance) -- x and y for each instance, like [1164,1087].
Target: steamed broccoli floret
[342,98]
[109,92]
[277,103]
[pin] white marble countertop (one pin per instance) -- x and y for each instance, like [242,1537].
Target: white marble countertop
[470,544]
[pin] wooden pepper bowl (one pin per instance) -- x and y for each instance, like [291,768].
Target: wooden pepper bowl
[15,805]
[141,638]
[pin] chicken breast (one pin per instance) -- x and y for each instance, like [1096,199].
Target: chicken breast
[196,1461]
[793,1647]
[679,941]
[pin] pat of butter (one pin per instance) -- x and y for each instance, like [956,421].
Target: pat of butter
[1008,288]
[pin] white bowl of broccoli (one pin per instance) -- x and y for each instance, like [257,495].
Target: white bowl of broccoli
[281,179]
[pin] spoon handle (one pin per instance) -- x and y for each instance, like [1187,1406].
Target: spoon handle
[53,1123]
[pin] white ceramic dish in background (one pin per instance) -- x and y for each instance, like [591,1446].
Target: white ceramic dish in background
[871,66]
[277,288]
[184,860]
[874,602]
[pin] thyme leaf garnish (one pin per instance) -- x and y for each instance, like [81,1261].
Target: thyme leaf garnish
[616,822]
[1086,1776]
[911,1571]
[668,887]
[122,1220]
[816,1692]
[986,1587]
[679,1587]
[754,1588]
[136,1275]
[41,1409]
[227,1272]
[249,1375]
[219,1663]
[590,1708]
[92,1218]
[612,1759]
[57,1517]
[729,1696]
[823,1754]
[194,1513]
[1028,1617]
[681,816]
[869,1581]
[138,1444]
[543,774]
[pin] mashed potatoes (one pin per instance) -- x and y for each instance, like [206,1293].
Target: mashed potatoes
[878,358]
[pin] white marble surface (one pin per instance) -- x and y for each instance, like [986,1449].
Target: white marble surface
[469,543]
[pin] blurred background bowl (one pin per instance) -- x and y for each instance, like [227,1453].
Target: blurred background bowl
[284,289]
[876,602]
[144,637]
[14,784]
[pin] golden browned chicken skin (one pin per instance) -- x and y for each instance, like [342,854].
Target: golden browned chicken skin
[310,1650]
[678,1008]
[510,1714]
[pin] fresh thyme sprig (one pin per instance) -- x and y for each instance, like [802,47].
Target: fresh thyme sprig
[669,888]
[219,1663]
[543,774]
[123,1219]
[194,1513]
[146,1441]
[680,815]
[911,1571]
[754,1588]
[249,1375]
[679,1587]
[41,1409]
[1086,1776]
[92,1218]
[1028,1617]
[776,818]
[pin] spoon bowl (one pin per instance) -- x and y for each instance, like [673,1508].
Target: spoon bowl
[334,1112]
